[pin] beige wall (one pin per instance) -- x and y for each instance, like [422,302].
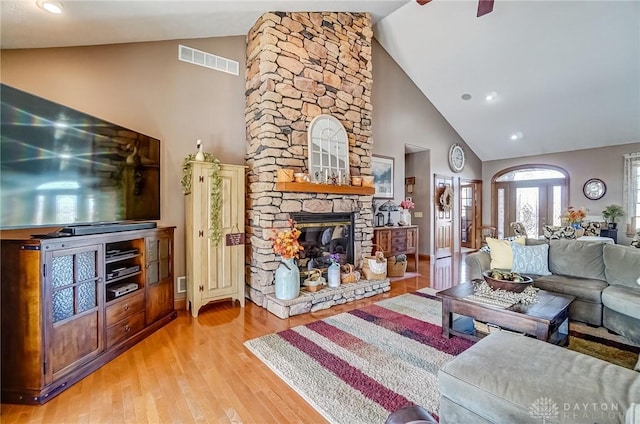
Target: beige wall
[604,163]
[144,87]
[403,115]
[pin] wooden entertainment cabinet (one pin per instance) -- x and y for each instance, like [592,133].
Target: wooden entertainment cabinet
[63,316]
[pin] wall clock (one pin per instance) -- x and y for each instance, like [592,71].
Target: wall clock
[456,158]
[594,189]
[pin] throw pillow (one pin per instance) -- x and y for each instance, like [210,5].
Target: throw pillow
[501,252]
[531,259]
[555,233]
[591,228]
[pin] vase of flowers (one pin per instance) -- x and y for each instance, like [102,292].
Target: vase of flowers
[333,272]
[406,205]
[574,216]
[287,276]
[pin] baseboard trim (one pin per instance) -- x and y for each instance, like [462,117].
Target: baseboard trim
[180,304]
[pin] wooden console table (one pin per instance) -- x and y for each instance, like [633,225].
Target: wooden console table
[397,240]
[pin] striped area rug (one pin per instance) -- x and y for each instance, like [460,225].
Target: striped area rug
[358,366]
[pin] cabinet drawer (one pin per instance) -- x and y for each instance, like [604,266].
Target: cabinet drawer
[399,239]
[125,329]
[127,306]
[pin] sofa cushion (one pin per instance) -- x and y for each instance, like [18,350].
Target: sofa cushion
[582,288]
[503,377]
[531,259]
[622,299]
[622,265]
[576,258]
[501,253]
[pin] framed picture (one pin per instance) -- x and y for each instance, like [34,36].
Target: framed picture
[382,167]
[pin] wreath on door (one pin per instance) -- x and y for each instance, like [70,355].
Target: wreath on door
[446,199]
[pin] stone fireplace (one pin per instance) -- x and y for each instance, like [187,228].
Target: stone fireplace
[323,236]
[300,65]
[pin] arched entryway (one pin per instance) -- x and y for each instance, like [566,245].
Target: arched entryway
[535,195]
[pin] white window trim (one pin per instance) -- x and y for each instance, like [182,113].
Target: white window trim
[629,195]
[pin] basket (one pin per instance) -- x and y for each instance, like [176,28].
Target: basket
[347,274]
[375,267]
[396,269]
[314,281]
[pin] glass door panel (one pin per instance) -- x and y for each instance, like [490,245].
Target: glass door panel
[466,215]
[527,209]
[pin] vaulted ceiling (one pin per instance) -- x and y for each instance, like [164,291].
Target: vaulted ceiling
[564,75]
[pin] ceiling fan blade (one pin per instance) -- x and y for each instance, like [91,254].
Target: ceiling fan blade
[422,2]
[484,7]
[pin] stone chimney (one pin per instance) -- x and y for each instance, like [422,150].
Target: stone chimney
[300,65]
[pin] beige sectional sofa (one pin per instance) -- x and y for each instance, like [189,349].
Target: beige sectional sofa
[604,278]
[508,378]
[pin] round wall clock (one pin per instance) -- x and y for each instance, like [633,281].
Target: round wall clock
[594,189]
[456,158]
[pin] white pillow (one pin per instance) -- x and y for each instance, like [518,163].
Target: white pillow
[501,252]
[531,259]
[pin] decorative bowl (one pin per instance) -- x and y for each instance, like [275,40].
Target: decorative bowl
[512,286]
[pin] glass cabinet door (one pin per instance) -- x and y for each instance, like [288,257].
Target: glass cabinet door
[159,285]
[74,295]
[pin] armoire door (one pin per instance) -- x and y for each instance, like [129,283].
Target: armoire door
[223,260]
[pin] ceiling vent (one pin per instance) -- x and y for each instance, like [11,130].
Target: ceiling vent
[208,60]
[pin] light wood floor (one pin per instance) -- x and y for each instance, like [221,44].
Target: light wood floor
[197,370]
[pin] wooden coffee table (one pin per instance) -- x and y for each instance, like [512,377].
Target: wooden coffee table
[548,319]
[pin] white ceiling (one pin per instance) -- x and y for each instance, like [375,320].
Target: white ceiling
[567,73]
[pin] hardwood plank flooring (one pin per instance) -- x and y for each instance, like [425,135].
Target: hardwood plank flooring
[196,370]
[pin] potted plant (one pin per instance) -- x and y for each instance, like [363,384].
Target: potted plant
[611,214]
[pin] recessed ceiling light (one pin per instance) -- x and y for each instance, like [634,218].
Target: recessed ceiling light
[466,96]
[491,96]
[50,6]
[516,136]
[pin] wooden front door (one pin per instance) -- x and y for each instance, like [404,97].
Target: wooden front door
[443,217]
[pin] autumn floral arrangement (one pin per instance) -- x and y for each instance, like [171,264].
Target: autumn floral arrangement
[285,243]
[407,204]
[574,215]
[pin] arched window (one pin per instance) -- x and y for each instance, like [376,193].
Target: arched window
[534,195]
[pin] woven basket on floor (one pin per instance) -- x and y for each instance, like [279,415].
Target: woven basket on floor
[375,267]
[396,269]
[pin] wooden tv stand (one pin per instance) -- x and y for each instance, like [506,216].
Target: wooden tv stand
[72,304]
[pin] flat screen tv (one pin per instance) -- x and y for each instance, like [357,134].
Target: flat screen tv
[60,167]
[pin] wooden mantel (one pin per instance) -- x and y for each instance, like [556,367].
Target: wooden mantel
[324,188]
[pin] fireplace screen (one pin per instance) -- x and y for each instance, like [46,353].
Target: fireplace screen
[324,236]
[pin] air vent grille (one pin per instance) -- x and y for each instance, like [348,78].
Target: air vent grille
[208,60]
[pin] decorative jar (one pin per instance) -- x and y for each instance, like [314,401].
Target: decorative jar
[334,275]
[287,280]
